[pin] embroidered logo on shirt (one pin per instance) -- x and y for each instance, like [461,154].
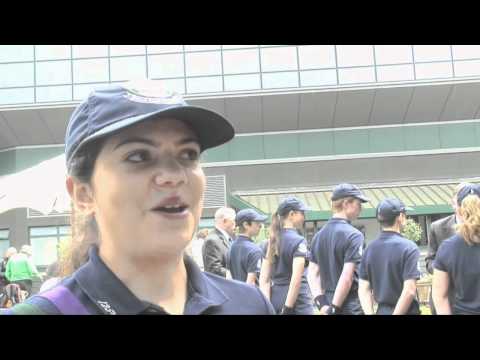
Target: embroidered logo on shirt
[302,248]
[106,306]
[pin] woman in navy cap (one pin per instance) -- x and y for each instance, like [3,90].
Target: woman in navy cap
[245,257]
[137,189]
[282,277]
[457,263]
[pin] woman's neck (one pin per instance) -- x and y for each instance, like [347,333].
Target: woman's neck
[160,280]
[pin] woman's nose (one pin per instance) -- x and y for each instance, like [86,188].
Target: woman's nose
[170,173]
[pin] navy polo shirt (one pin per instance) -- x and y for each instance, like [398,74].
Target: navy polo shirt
[292,245]
[244,257]
[387,262]
[337,243]
[94,289]
[462,263]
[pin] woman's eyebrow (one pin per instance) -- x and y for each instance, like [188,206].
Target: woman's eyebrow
[146,141]
[134,140]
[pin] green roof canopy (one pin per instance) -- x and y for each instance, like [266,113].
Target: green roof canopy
[423,198]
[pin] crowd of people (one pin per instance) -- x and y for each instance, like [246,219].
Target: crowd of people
[137,188]
[337,274]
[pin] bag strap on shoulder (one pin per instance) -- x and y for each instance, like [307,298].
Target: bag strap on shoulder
[65,301]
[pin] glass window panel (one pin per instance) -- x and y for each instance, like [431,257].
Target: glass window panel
[4,245]
[177,85]
[65,230]
[316,56]
[12,75]
[53,72]
[280,80]
[54,93]
[90,70]
[201,47]
[356,75]
[11,53]
[43,231]
[242,82]
[354,55]
[431,52]
[152,49]
[467,68]
[238,46]
[318,77]
[44,250]
[4,234]
[128,68]
[80,92]
[433,70]
[117,50]
[83,51]
[52,52]
[208,63]
[16,96]
[395,73]
[241,61]
[393,54]
[206,84]
[165,66]
[466,52]
[277,59]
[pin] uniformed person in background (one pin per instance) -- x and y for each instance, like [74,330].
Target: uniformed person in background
[336,252]
[283,273]
[389,267]
[245,257]
[441,230]
[457,263]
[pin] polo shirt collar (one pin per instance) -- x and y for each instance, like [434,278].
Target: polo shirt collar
[336,219]
[243,238]
[111,296]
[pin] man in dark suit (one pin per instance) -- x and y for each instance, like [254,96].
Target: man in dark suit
[441,230]
[218,241]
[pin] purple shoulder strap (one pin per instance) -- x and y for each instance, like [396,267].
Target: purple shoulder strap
[65,301]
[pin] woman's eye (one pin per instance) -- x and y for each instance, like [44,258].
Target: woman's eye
[138,156]
[190,154]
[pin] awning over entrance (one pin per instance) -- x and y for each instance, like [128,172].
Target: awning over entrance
[425,198]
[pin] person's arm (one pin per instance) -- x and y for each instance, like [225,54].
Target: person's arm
[406,297]
[8,271]
[344,284]
[252,279]
[440,287]
[213,258]
[366,297]
[265,276]
[294,288]
[315,283]
[33,269]
[314,280]
[432,250]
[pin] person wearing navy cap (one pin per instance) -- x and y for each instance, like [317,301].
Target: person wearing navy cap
[457,263]
[137,188]
[282,276]
[245,257]
[336,251]
[389,267]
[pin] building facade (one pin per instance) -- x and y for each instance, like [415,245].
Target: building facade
[399,120]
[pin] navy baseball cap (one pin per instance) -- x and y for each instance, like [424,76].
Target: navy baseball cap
[346,190]
[468,189]
[114,107]
[390,208]
[249,215]
[291,203]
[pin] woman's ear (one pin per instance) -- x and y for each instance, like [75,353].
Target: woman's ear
[81,195]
